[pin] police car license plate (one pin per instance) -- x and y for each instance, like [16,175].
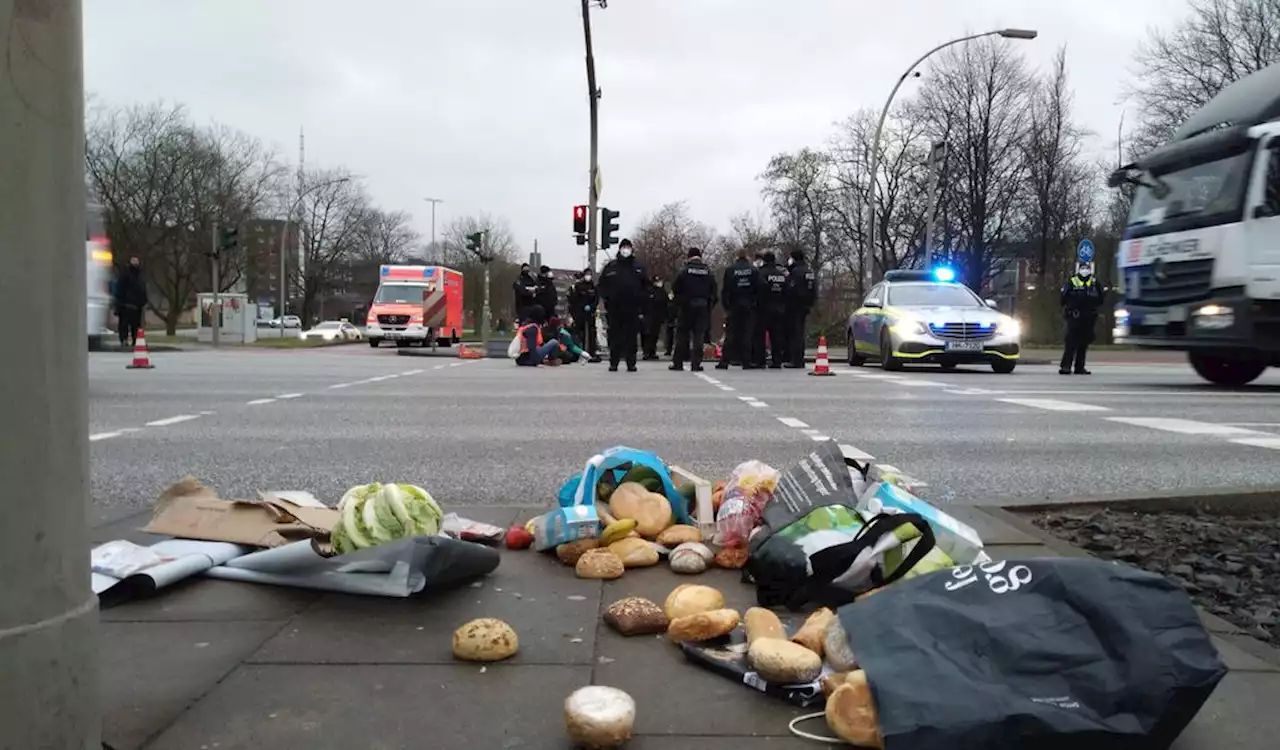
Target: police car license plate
[1154,319]
[964,346]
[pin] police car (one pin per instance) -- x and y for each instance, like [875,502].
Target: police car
[928,317]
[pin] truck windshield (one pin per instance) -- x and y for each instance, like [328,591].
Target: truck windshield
[1210,193]
[400,293]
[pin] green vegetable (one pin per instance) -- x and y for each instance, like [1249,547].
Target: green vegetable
[377,513]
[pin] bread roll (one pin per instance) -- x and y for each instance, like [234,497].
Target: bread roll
[762,623]
[836,649]
[811,633]
[703,626]
[569,552]
[783,662]
[599,564]
[690,599]
[634,552]
[851,713]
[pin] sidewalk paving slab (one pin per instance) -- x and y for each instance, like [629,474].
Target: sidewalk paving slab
[217,664]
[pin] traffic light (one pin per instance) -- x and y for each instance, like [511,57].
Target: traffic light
[579,220]
[228,239]
[609,227]
[475,242]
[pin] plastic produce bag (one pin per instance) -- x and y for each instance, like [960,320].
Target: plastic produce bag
[608,467]
[1037,655]
[957,540]
[749,489]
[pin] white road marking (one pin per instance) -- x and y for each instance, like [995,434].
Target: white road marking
[792,422]
[1192,392]
[746,398]
[1184,426]
[816,436]
[104,436]
[457,364]
[173,420]
[407,373]
[284,396]
[438,367]
[336,386]
[923,383]
[972,392]
[726,388]
[1259,442]
[260,401]
[1252,424]
[757,404]
[877,376]
[1049,404]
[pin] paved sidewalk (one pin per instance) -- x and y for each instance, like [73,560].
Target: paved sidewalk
[216,664]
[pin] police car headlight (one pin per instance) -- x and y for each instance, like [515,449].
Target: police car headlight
[1009,327]
[910,327]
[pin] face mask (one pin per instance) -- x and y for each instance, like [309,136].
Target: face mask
[791,261]
[587,278]
[625,252]
[1084,272]
[758,263]
[658,284]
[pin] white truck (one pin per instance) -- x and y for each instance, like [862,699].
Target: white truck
[1199,262]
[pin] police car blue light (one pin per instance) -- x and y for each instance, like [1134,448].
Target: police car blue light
[942,273]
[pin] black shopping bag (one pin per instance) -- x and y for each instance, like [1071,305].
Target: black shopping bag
[1052,654]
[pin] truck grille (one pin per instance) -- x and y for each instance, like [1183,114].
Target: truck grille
[1178,282]
[962,331]
[393,320]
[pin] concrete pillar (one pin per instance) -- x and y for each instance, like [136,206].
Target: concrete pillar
[48,615]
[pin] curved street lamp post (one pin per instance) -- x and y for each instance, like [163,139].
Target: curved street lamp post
[284,235]
[884,113]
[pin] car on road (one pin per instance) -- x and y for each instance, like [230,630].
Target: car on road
[925,317]
[333,330]
[288,321]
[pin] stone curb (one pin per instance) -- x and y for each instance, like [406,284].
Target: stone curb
[1214,624]
[1232,501]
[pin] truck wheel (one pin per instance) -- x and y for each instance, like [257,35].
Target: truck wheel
[402,343]
[374,343]
[1223,371]
[887,360]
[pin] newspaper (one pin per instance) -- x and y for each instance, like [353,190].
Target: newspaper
[122,570]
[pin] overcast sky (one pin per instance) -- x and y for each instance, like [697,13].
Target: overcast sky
[483,102]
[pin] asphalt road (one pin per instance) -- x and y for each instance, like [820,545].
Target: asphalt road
[485,432]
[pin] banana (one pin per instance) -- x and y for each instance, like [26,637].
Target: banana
[617,530]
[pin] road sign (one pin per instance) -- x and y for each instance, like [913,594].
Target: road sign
[1084,251]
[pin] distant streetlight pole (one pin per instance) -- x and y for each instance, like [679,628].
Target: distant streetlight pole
[433,202]
[593,100]
[284,237]
[884,113]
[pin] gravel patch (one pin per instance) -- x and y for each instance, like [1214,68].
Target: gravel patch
[1230,565]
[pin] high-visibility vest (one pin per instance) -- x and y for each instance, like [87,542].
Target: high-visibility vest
[1078,283]
[524,341]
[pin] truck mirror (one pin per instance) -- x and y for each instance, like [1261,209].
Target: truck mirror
[1116,178]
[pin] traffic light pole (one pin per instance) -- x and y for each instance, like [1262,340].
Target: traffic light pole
[593,100]
[217,282]
[49,686]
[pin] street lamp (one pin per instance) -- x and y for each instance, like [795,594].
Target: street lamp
[284,234]
[593,99]
[884,113]
[433,202]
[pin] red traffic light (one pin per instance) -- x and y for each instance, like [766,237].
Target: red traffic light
[579,219]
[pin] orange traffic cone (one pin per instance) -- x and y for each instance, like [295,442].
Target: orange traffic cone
[820,365]
[466,352]
[462,351]
[141,358]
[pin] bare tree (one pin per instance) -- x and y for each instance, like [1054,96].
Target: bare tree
[1178,71]
[662,239]
[976,101]
[748,232]
[800,190]
[499,243]
[331,216]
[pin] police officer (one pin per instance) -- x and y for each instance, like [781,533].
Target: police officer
[525,288]
[622,287]
[655,316]
[546,295]
[771,312]
[800,293]
[1081,298]
[583,299]
[739,301]
[695,290]
[669,331]
[756,349]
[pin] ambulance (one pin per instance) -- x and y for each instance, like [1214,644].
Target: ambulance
[416,305]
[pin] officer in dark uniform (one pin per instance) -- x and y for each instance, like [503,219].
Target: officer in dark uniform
[546,295]
[801,292]
[622,287]
[695,290]
[655,317]
[583,299]
[669,332]
[525,288]
[771,312]
[755,351]
[1081,298]
[739,301]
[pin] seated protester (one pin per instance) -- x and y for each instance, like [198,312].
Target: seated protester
[569,350]
[534,350]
